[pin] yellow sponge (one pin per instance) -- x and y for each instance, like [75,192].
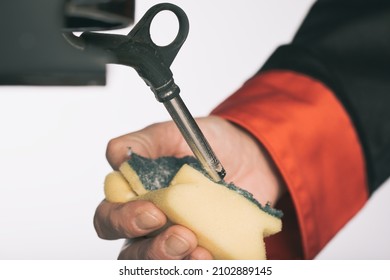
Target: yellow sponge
[117,189]
[226,219]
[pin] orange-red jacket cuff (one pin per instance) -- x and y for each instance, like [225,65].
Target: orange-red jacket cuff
[312,141]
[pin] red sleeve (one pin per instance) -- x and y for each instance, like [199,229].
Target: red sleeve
[312,141]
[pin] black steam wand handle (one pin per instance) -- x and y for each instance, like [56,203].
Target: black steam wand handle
[152,62]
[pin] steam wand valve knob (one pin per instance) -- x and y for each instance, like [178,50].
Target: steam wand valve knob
[152,63]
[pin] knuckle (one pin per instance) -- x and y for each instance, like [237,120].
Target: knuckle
[123,219]
[113,144]
[140,249]
[116,152]
[151,250]
[120,222]
[98,222]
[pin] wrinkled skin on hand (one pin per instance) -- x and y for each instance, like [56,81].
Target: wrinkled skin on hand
[246,164]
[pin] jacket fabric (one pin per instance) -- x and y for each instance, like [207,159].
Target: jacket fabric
[320,106]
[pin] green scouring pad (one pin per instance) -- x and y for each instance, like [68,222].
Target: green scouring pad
[227,220]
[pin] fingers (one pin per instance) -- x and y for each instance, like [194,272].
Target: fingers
[175,243]
[162,139]
[128,220]
[137,219]
[200,253]
[140,218]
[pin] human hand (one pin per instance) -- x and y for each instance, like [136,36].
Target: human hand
[245,161]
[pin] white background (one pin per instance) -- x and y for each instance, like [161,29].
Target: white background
[53,139]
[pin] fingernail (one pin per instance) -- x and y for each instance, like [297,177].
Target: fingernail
[176,246]
[146,220]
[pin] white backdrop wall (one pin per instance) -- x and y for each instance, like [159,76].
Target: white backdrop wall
[53,139]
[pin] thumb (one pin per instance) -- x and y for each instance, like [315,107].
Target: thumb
[156,140]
